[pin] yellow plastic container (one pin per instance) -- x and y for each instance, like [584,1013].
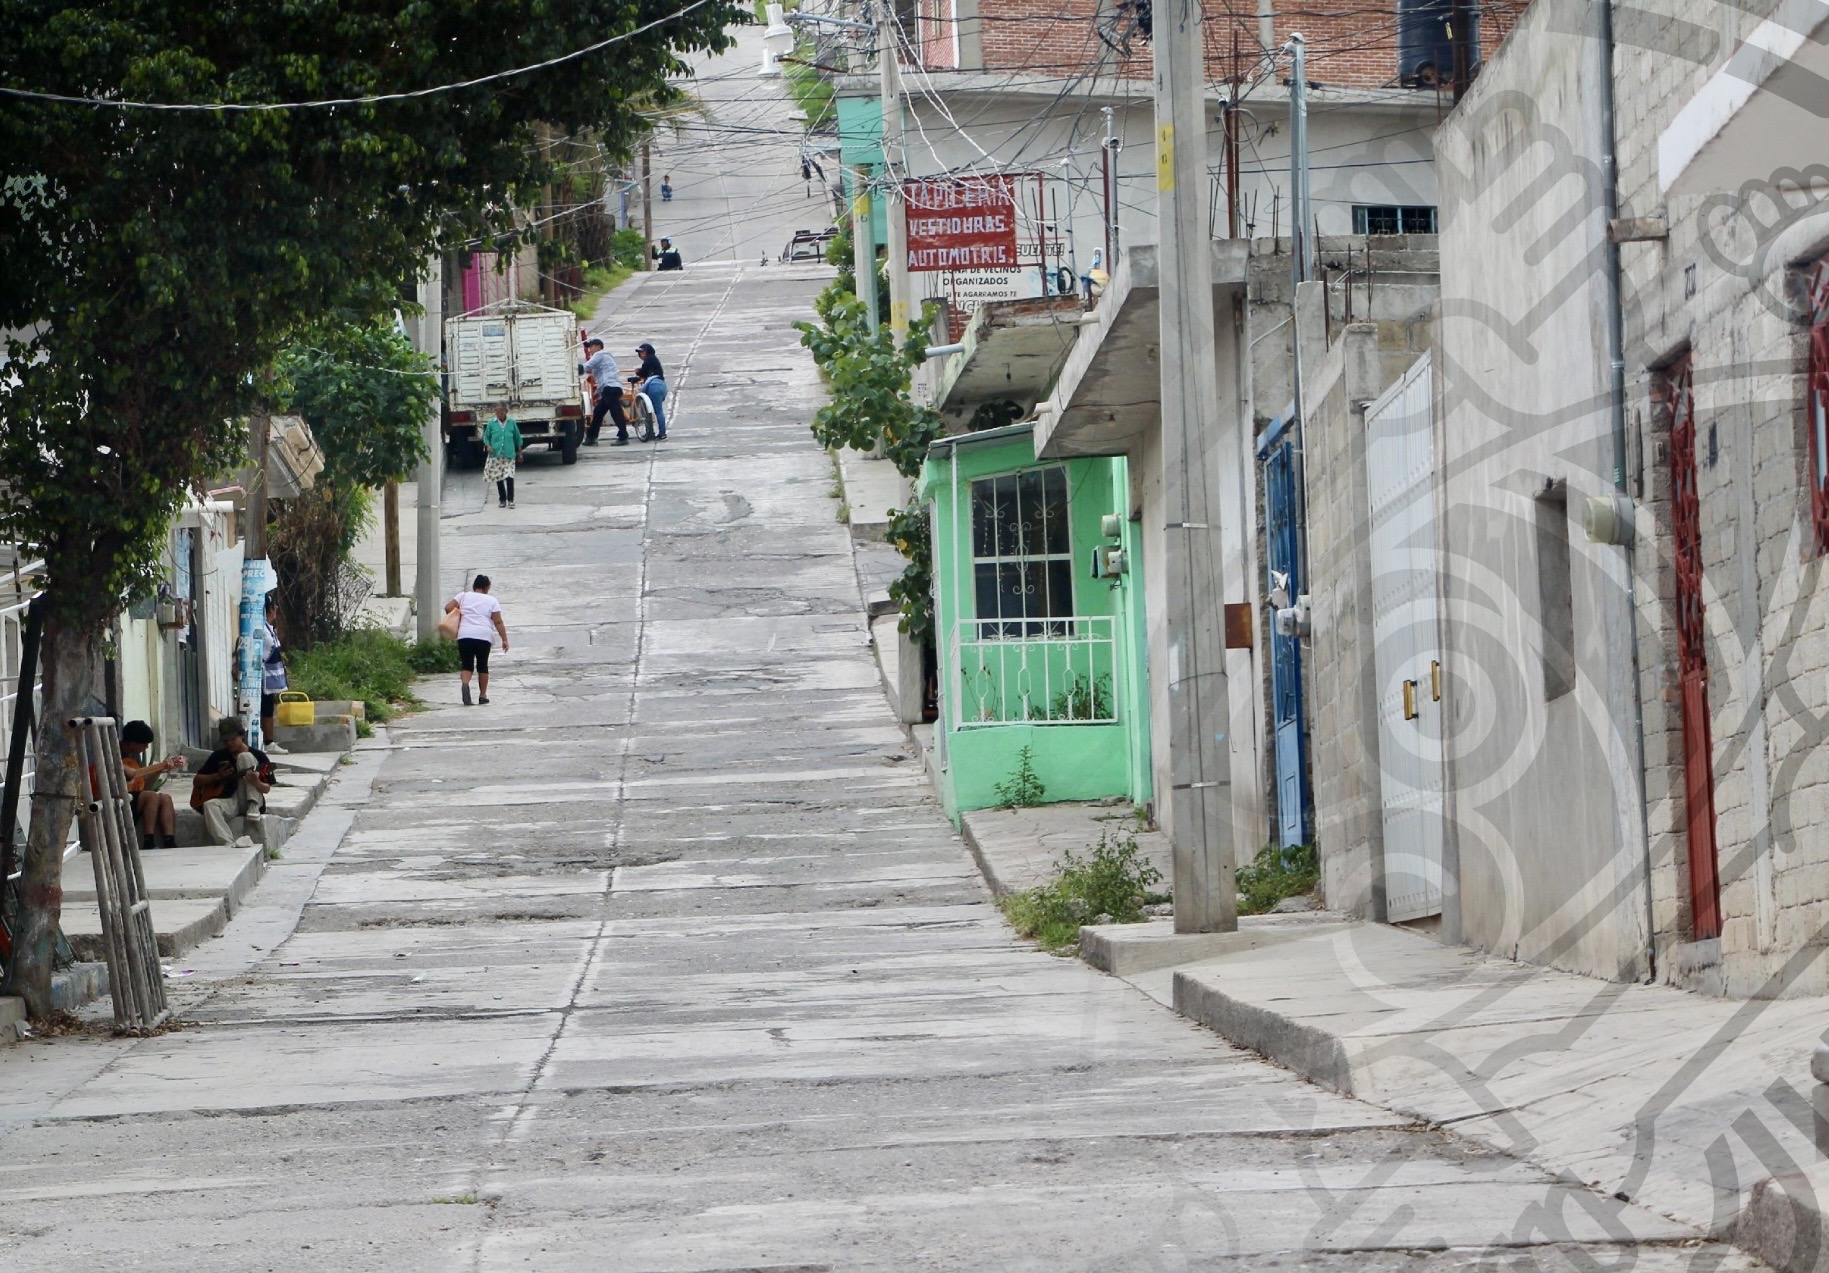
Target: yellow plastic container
[295,709]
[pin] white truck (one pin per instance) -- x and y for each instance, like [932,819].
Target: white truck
[522,354]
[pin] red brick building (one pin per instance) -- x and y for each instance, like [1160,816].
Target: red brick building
[1350,45]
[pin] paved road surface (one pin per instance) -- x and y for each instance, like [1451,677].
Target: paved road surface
[667,961]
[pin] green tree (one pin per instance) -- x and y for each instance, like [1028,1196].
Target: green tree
[365,392]
[158,260]
[870,378]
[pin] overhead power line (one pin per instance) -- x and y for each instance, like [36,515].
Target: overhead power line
[107,103]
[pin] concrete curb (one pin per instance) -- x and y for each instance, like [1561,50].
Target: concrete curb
[998,888]
[1314,1054]
[1783,1221]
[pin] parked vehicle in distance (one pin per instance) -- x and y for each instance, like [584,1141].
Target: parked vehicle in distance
[808,245]
[525,355]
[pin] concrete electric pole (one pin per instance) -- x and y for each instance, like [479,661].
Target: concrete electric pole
[863,244]
[1200,763]
[896,208]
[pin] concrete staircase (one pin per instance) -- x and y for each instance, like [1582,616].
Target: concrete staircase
[197,887]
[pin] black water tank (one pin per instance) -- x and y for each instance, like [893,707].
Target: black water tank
[1425,41]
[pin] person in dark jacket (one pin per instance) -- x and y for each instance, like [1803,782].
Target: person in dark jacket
[667,257]
[651,380]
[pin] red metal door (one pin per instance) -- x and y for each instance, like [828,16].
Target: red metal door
[1692,656]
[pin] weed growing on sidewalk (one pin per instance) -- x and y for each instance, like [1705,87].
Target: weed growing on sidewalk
[1111,886]
[371,665]
[1277,873]
[1022,788]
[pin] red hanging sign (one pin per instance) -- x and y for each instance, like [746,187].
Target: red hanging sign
[967,223]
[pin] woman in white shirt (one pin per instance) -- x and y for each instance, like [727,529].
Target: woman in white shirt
[479,621]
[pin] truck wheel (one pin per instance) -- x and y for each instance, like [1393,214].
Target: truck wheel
[568,445]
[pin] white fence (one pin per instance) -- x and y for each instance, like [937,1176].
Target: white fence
[1035,671]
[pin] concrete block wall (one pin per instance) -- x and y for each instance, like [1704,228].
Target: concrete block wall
[1721,288]
[1544,824]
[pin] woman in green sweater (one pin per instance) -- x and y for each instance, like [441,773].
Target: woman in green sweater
[502,438]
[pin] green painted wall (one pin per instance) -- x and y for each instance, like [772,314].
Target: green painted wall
[860,141]
[1075,761]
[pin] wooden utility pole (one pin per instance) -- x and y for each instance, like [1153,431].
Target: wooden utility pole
[647,208]
[1200,761]
[390,526]
[428,594]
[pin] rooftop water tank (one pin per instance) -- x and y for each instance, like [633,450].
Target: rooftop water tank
[1425,41]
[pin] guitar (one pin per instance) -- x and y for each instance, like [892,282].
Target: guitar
[206,787]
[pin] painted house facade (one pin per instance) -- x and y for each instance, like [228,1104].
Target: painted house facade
[1039,615]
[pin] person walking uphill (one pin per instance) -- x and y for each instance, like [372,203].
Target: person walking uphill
[502,440]
[479,622]
[651,380]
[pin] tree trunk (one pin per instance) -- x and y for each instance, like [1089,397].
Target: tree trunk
[69,662]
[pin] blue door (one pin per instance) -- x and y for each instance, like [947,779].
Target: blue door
[1283,563]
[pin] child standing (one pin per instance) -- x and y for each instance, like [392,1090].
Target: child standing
[502,438]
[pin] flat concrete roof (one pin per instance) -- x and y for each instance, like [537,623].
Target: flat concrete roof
[1109,392]
[1013,349]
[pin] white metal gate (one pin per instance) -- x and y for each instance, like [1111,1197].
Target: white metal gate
[1400,470]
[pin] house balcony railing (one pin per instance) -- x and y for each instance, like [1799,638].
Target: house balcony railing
[1043,671]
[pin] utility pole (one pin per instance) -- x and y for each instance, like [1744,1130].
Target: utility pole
[896,209]
[428,592]
[1108,151]
[647,208]
[1232,143]
[863,244]
[1301,249]
[1200,762]
[254,582]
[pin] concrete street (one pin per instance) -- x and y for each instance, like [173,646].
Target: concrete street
[666,960]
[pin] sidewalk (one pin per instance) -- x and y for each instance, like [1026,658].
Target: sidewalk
[1678,1103]
[195,889]
[1017,848]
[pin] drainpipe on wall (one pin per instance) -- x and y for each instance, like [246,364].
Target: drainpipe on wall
[1616,407]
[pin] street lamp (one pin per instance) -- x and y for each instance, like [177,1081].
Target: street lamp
[778,38]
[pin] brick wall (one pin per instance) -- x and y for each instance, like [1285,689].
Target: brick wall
[1347,47]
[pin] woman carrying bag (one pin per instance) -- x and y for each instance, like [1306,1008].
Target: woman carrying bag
[474,620]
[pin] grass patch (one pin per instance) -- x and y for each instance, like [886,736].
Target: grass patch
[1111,886]
[1275,874]
[1022,788]
[810,87]
[599,281]
[458,1200]
[373,666]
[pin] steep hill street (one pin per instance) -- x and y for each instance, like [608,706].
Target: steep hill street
[667,960]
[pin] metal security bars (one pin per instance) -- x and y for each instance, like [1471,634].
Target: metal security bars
[1064,673]
[1022,557]
[108,832]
